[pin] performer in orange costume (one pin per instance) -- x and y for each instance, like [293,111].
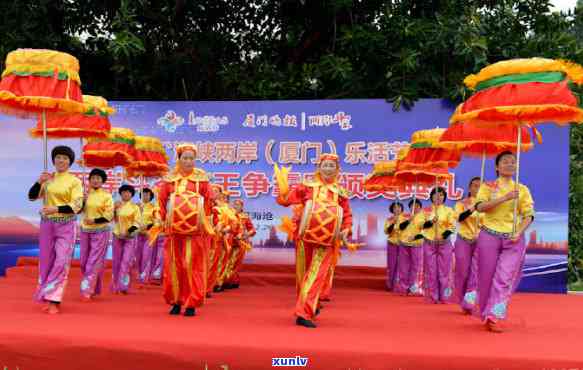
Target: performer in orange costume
[241,245]
[184,203]
[226,226]
[326,222]
[216,246]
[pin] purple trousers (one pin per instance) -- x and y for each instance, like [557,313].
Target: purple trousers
[149,259]
[438,260]
[93,247]
[56,246]
[122,259]
[392,265]
[157,260]
[500,264]
[466,274]
[410,260]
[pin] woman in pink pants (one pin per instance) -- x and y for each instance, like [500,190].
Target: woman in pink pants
[501,250]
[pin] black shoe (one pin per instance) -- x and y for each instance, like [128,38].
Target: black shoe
[303,322]
[218,289]
[189,311]
[175,309]
[235,286]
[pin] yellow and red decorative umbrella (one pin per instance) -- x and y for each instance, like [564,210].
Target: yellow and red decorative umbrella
[522,92]
[426,152]
[477,141]
[117,149]
[426,161]
[382,177]
[92,123]
[37,82]
[150,159]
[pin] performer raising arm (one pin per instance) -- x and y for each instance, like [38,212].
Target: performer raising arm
[327,221]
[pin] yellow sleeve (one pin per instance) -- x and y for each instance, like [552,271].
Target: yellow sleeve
[458,210]
[156,216]
[525,202]
[108,207]
[137,217]
[76,196]
[484,194]
[451,219]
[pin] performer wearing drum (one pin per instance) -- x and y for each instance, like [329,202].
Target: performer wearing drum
[125,238]
[411,250]
[184,202]
[466,253]
[289,225]
[326,222]
[501,252]
[95,234]
[241,245]
[438,251]
[392,231]
[62,195]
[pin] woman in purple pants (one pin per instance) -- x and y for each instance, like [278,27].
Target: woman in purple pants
[501,249]
[437,248]
[62,195]
[392,231]
[127,223]
[95,234]
[466,252]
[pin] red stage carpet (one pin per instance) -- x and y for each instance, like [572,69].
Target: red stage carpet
[363,327]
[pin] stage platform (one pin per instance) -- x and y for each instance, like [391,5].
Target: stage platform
[363,327]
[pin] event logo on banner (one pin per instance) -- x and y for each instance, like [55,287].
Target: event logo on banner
[239,142]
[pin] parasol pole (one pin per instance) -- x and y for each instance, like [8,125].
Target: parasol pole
[435,210]
[43,115]
[483,165]
[414,197]
[82,165]
[481,179]
[518,143]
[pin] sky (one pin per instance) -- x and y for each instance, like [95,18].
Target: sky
[564,4]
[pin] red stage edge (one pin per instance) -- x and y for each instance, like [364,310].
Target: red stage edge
[363,327]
